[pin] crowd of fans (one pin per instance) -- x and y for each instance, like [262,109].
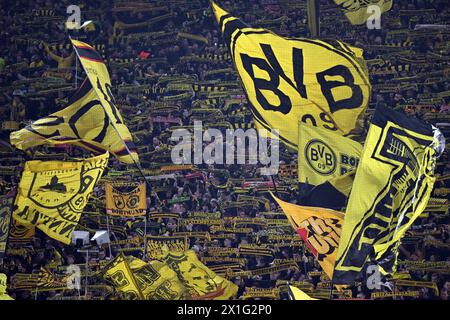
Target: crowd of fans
[38,70]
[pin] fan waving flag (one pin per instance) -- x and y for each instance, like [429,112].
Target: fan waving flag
[321,83]
[392,186]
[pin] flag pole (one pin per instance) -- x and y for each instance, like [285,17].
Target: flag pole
[145,235]
[109,232]
[313,9]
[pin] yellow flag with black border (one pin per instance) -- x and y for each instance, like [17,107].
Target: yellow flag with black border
[323,154]
[126,199]
[90,119]
[359,11]
[323,83]
[53,194]
[392,187]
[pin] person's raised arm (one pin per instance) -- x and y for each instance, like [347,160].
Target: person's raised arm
[50,53]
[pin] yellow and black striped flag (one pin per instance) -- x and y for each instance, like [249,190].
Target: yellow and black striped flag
[323,83]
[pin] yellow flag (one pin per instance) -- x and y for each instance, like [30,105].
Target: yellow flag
[52,194]
[325,84]
[359,11]
[118,272]
[319,228]
[201,282]
[392,186]
[297,294]
[98,75]
[82,122]
[126,199]
[323,154]
[156,280]
[3,287]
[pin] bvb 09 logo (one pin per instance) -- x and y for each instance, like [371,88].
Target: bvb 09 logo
[320,157]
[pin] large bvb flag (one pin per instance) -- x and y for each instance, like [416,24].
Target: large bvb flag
[90,120]
[392,186]
[53,194]
[287,80]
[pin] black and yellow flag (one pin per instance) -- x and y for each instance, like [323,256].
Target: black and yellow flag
[319,228]
[358,11]
[97,73]
[201,282]
[90,119]
[119,273]
[322,83]
[157,246]
[52,194]
[156,280]
[126,199]
[323,154]
[392,187]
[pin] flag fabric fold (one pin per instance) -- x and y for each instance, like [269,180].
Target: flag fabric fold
[392,186]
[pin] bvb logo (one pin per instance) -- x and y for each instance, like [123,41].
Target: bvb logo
[119,201]
[320,157]
[133,202]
